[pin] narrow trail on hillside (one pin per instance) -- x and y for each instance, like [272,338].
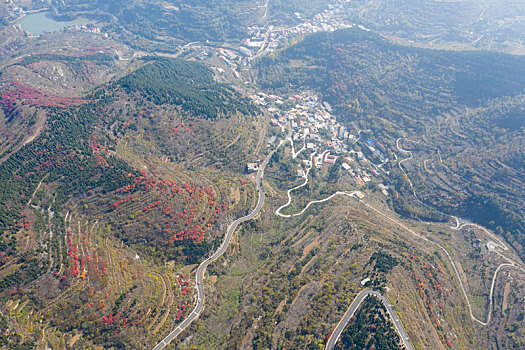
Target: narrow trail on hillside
[493,245]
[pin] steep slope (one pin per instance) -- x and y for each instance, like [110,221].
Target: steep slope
[460,109]
[121,189]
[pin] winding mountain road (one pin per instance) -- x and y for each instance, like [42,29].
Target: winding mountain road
[265,9]
[199,277]
[493,245]
[353,308]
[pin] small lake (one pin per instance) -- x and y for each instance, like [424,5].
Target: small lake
[42,22]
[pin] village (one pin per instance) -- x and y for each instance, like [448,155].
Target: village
[331,19]
[317,130]
[262,39]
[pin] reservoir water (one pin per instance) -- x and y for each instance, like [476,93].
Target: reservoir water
[42,22]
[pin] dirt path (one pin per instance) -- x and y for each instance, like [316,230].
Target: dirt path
[506,293]
[161,323]
[262,137]
[39,125]
[36,189]
[460,275]
[233,142]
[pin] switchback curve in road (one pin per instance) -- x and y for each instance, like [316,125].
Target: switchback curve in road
[498,244]
[460,283]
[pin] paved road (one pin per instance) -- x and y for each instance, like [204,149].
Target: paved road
[499,243]
[265,9]
[222,249]
[352,309]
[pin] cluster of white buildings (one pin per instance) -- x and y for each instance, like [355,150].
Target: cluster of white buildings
[315,129]
[329,20]
[231,58]
[267,38]
[14,9]
[87,29]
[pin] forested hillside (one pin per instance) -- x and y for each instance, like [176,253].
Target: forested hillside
[232,174]
[370,327]
[186,84]
[461,109]
[111,191]
[354,63]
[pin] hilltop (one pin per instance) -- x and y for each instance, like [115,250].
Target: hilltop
[234,173]
[458,110]
[94,209]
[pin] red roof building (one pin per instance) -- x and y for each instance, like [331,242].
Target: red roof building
[329,158]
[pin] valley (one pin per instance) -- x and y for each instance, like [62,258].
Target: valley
[242,174]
